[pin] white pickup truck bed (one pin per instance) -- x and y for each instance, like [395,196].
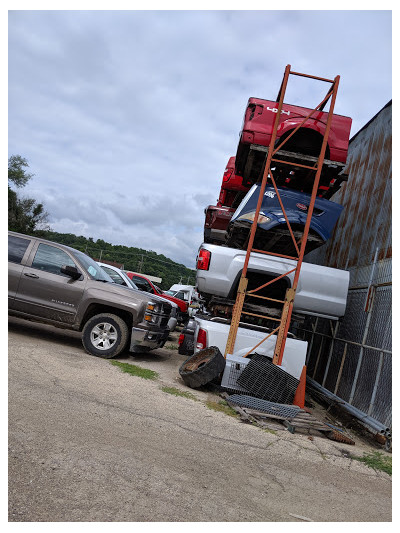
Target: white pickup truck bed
[217,334]
[321,290]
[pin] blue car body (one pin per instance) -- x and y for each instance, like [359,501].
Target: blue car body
[325,215]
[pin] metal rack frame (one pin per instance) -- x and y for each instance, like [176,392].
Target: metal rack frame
[284,322]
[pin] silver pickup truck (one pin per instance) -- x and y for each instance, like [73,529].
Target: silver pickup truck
[56,284]
[321,291]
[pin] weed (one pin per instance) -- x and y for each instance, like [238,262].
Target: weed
[171,346]
[222,407]
[267,430]
[177,392]
[134,370]
[377,461]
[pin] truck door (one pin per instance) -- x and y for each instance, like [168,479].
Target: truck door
[44,291]
[17,252]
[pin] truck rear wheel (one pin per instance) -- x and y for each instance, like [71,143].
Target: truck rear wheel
[202,367]
[105,335]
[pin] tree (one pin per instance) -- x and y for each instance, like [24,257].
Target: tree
[25,215]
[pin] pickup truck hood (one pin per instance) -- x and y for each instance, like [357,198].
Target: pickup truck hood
[124,293]
[325,216]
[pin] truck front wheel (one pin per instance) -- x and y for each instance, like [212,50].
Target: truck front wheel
[105,335]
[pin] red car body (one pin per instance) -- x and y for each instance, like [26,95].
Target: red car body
[230,181]
[218,216]
[216,223]
[148,286]
[259,121]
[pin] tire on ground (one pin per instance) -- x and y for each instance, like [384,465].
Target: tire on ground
[105,335]
[202,367]
[187,345]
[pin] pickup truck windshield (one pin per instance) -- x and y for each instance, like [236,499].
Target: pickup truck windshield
[92,268]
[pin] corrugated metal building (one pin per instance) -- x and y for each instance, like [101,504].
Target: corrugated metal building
[351,360]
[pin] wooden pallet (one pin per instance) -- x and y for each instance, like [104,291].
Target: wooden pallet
[302,421]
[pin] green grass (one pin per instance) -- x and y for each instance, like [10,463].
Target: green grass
[134,370]
[171,346]
[377,461]
[177,392]
[267,430]
[222,407]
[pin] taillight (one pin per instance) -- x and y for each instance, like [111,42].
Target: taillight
[227,174]
[201,339]
[203,259]
[180,340]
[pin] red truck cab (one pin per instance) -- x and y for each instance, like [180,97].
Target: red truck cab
[217,217]
[144,284]
[258,124]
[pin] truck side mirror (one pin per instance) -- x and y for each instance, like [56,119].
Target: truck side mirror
[70,271]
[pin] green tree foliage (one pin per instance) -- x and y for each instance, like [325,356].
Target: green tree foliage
[129,258]
[25,215]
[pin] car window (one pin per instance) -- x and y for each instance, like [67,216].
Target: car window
[180,295]
[92,268]
[51,259]
[16,248]
[142,284]
[117,278]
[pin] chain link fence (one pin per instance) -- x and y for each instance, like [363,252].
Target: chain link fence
[351,359]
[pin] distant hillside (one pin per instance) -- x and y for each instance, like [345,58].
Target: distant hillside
[135,259]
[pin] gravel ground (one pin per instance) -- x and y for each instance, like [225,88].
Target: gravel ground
[88,442]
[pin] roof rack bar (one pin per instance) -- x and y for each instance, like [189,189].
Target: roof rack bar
[310,76]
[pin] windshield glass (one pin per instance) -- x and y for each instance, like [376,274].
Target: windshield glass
[92,268]
[238,211]
[170,293]
[131,283]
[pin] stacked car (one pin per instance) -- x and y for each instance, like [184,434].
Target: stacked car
[282,213]
[229,221]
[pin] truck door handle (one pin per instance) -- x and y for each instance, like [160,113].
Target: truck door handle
[31,276]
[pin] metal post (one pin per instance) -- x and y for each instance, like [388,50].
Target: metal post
[364,340]
[314,328]
[330,352]
[318,357]
[379,371]
[341,368]
[378,375]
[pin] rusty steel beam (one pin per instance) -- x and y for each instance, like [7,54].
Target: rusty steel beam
[288,305]
[239,302]
[290,293]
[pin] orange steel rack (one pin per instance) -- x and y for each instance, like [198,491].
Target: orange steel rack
[283,322]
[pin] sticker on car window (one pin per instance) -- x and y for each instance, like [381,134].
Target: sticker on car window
[92,271]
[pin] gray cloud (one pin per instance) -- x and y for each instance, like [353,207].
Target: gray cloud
[128,118]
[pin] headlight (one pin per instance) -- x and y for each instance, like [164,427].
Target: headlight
[262,219]
[151,318]
[152,307]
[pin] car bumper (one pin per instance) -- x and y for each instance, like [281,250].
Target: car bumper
[147,338]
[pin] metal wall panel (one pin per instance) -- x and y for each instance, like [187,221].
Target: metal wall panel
[366,221]
[354,362]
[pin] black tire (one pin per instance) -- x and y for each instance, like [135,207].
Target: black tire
[187,346]
[202,367]
[105,335]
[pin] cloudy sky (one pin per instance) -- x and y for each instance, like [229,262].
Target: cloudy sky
[128,118]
